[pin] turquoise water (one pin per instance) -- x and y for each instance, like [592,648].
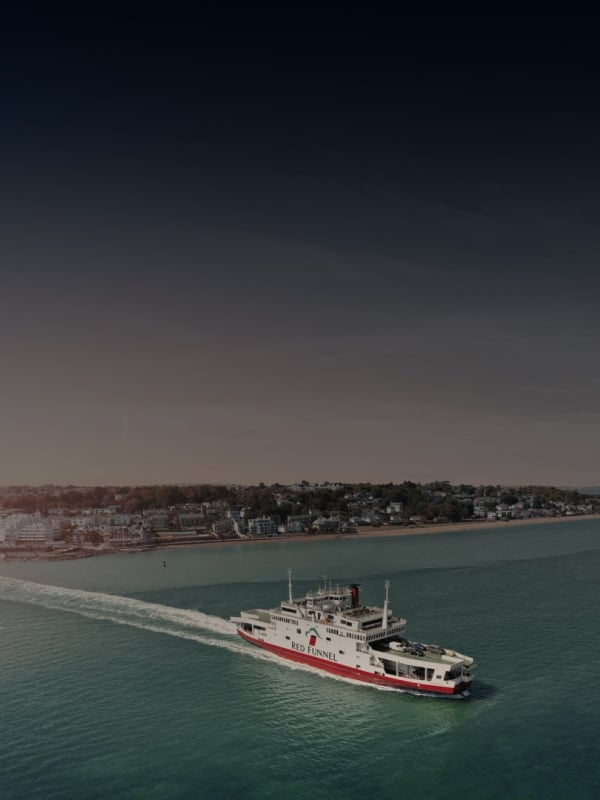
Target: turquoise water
[120,678]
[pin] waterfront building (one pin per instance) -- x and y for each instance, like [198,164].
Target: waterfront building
[262,526]
[191,520]
[29,529]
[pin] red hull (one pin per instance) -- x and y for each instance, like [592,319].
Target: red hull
[350,672]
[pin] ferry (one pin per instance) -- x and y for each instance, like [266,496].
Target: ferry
[331,629]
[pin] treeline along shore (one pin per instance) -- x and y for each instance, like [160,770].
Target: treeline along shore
[74,522]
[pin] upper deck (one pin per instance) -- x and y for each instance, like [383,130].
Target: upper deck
[339,609]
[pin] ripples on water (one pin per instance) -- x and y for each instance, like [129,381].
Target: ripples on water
[95,704]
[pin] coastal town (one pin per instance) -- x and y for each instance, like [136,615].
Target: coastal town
[74,522]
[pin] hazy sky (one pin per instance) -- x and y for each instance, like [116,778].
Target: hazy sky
[248,247]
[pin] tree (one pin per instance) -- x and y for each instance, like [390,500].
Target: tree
[169,496]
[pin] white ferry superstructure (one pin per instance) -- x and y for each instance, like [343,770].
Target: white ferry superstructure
[331,630]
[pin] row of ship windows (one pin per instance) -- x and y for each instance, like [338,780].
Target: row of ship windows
[327,638]
[347,634]
[335,632]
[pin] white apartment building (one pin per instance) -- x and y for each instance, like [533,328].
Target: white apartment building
[262,526]
[29,529]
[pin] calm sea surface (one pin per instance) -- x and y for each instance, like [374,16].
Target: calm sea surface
[121,678]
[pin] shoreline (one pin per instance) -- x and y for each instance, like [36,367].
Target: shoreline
[368,532]
[363,533]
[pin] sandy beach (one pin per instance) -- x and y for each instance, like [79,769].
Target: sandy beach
[389,530]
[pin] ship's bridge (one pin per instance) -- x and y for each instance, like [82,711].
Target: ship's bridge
[366,619]
[328,600]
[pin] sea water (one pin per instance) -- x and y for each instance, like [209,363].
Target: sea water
[122,678]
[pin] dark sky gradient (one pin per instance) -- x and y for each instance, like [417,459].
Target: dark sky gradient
[242,247]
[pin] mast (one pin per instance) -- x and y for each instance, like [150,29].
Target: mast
[385,606]
[290,584]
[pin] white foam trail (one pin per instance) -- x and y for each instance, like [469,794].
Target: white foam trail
[99,605]
[178,622]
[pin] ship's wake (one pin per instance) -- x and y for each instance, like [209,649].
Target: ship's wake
[113,608]
[181,623]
